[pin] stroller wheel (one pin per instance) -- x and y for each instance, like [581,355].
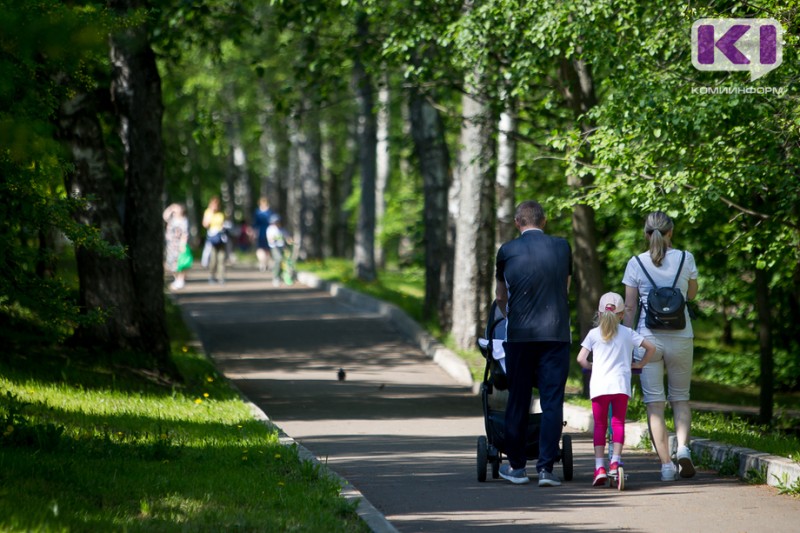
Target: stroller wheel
[483,458]
[566,456]
[496,468]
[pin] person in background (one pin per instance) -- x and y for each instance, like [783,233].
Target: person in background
[260,224]
[176,239]
[612,347]
[533,276]
[277,240]
[216,241]
[674,348]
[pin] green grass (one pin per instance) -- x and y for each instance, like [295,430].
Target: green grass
[404,288]
[92,444]
[731,364]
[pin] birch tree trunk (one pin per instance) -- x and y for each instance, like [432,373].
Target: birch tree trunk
[274,144]
[383,168]
[475,226]
[304,192]
[578,90]
[505,186]
[427,131]
[367,137]
[136,92]
[311,206]
[240,204]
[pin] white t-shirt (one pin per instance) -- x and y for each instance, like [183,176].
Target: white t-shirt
[275,236]
[611,361]
[663,276]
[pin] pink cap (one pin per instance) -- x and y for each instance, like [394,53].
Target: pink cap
[611,301]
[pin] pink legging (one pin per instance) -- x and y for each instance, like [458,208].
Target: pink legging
[619,406]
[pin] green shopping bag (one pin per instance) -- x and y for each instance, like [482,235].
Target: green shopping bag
[185,259]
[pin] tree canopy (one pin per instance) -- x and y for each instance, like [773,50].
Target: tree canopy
[608,116]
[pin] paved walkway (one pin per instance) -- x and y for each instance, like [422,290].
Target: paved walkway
[403,432]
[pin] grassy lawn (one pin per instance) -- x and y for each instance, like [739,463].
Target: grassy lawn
[715,364]
[95,445]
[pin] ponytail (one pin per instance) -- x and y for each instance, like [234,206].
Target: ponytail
[657,225]
[608,321]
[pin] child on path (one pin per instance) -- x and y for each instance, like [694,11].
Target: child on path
[277,241]
[612,346]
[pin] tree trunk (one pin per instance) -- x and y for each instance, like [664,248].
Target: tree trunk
[304,198]
[105,283]
[273,143]
[578,90]
[427,130]
[367,137]
[474,228]
[767,379]
[241,205]
[291,206]
[383,169]
[136,92]
[340,187]
[505,186]
[281,177]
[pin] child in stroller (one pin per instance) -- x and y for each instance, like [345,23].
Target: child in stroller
[491,447]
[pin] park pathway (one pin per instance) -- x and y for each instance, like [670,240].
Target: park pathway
[403,433]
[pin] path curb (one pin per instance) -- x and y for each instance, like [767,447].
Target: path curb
[777,471]
[374,519]
[445,358]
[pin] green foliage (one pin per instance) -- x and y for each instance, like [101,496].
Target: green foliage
[757,477]
[784,487]
[738,431]
[743,369]
[19,431]
[728,465]
[401,287]
[49,51]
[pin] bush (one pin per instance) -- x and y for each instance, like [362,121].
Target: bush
[743,369]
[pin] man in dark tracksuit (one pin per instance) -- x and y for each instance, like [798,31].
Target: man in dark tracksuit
[533,277]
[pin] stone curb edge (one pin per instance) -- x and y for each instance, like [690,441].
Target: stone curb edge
[777,471]
[374,519]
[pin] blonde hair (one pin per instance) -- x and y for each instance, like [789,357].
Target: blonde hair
[657,225]
[608,322]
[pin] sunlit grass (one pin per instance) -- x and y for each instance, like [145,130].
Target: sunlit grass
[404,287]
[90,445]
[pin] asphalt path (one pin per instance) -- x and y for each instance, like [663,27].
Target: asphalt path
[403,433]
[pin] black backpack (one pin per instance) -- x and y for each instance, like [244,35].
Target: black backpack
[665,308]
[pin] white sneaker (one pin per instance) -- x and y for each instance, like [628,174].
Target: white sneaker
[668,472]
[685,465]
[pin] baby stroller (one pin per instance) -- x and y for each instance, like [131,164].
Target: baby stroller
[491,448]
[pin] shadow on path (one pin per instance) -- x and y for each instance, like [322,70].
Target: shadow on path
[404,434]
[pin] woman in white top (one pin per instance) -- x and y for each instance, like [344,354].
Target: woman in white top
[674,348]
[612,346]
